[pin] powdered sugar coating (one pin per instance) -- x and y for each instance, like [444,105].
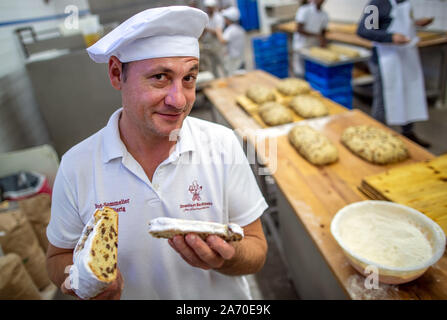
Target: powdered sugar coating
[164,227]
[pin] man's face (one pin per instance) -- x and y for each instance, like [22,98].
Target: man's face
[159,93]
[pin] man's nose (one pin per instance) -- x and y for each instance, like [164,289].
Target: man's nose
[176,97]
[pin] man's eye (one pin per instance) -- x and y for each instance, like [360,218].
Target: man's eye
[160,76]
[190,78]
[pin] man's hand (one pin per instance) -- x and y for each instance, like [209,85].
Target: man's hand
[112,292]
[209,254]
[323,41]
[424,22]
[400,39]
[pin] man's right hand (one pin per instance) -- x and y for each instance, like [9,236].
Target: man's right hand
[112,292]
[400,39]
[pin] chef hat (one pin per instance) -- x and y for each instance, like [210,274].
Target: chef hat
[210,3]
[231,13]
[153,33]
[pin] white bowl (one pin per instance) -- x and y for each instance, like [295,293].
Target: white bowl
[388,274]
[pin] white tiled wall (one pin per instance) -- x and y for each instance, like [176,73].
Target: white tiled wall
[21,125]
[10,53]
[351,11]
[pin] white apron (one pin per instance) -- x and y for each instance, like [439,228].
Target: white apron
[401,71]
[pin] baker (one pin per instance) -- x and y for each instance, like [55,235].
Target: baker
[233,37]
[153,160]
[311,24]
[399,92]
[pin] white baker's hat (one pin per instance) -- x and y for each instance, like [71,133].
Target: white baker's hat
[153,33]
[231,13]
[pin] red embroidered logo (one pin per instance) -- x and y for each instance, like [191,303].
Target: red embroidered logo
[195,189]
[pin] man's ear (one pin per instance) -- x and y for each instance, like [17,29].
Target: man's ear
[115,72]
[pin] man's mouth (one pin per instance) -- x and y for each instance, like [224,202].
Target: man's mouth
[170,116]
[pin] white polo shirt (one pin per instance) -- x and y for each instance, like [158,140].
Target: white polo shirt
[206,177]
[234,34]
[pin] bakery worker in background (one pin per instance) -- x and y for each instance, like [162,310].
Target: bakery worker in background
[311,23]
[145,160]
[211,49]
[233,37]
[399,93]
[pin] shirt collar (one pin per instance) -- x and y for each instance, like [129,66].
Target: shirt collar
[114,147]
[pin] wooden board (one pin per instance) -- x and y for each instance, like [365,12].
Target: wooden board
[230,92]
[422,186]
[252,108]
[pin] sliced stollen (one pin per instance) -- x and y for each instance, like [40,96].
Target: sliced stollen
[293,87]
[95,256]
[164,227]
[374,144]
[260,94]
[274,114]
[313,145]
[308,106]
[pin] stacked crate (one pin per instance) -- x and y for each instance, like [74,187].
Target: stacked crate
[334,82]
[249,14]
[271,54]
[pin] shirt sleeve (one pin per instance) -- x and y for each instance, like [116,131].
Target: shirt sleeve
[245,200]
[65,227]
[227,34]
[381,34]
[301,15]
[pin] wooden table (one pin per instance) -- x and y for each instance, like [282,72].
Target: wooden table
[347,33]
[309,198]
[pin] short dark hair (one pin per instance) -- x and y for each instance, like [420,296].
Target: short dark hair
[124,67]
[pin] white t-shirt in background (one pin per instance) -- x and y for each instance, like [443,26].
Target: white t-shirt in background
[234,34]
[314,21]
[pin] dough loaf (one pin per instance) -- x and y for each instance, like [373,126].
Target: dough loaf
[350,53]
[324,54]
[293,87]
[313,145]
[260,94]
[274,114]
[374,144]
[308,106]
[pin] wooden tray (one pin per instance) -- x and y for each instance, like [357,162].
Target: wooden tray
[422,186]
[252,108]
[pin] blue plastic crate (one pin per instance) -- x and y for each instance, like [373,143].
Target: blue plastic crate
[273,41]
[329,72]
[341,95]
[329,83]
[343,99]
[331,91]
[263,62]
[249,19]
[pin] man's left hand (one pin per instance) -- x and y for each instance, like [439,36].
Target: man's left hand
[209,254]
